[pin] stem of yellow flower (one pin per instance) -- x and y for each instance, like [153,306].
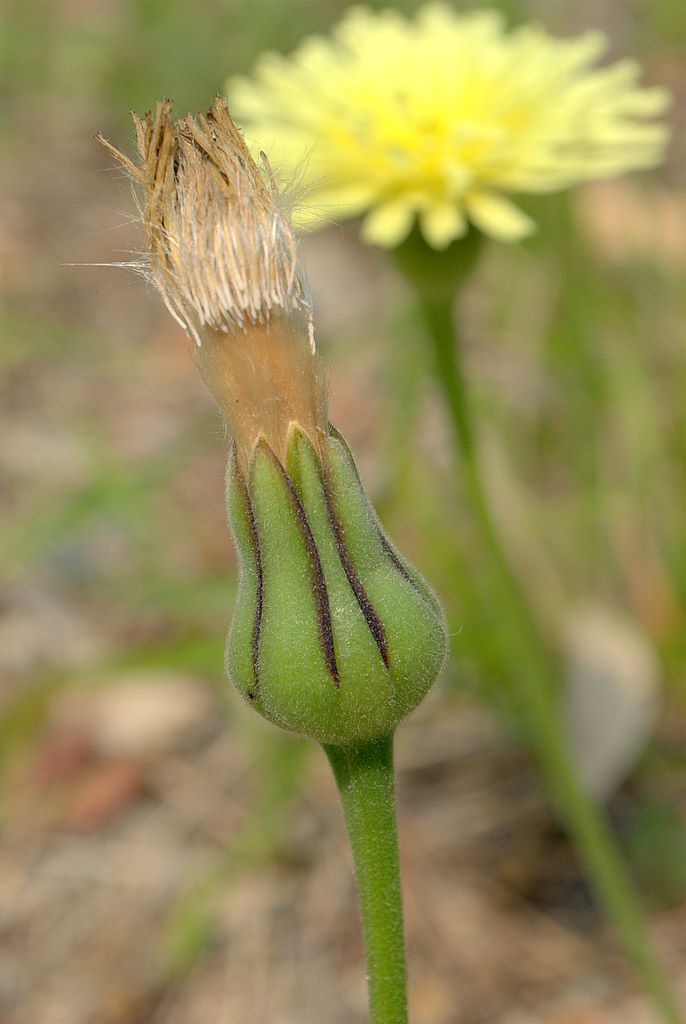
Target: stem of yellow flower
[536,678]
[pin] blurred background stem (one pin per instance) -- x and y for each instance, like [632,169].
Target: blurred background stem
[437,278]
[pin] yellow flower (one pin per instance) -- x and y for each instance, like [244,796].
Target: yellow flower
[441,117]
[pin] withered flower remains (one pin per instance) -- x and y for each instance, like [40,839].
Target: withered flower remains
[221,253]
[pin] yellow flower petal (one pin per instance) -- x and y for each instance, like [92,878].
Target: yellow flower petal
[325,205]
[442,223]
[389,224]
[498,217]
[344,200]
[445,104]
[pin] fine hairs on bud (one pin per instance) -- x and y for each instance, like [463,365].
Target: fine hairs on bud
[221,252]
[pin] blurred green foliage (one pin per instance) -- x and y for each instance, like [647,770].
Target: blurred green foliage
[592,414]
[656,846]
[605,336]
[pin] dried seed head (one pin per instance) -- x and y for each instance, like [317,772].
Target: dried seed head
[221,253]
[220,248]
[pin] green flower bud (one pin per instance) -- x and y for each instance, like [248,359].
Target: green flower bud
[334,635]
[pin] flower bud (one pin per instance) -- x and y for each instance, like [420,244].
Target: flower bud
[334,635]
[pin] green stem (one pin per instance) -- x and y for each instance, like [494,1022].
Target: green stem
[364,776]
[537,680]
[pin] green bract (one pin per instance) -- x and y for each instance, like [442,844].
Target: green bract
[334,635]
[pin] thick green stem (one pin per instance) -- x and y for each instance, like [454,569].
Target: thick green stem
[536,678]
[364,776]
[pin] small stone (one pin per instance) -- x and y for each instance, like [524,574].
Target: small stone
[612,699]
[139,714]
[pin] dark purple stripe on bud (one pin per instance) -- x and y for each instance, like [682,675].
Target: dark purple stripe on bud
[388,549]
[239,480]
[371,618]
[321,596]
